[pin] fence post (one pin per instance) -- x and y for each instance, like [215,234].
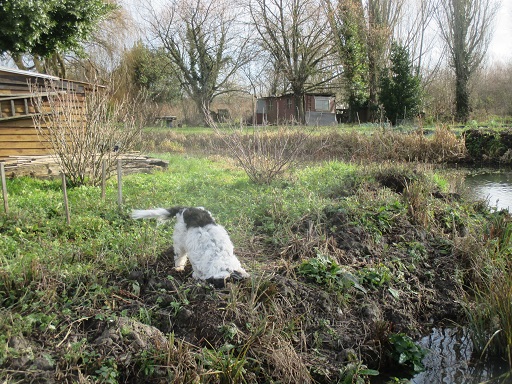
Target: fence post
[119,183]
[65,192]
[4,187]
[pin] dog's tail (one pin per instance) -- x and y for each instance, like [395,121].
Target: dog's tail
[159,213]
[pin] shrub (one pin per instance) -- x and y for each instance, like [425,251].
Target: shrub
[262,154]
[83,132]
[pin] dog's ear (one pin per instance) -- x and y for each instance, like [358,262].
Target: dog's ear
[195,217]
[174,210]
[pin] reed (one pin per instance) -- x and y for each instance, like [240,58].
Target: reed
[489,308]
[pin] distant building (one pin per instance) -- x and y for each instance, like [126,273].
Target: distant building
[319,109]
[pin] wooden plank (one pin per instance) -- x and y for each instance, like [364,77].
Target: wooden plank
[9,131]
[23,151]
[24,144]
[17,123]
[14,117]
[13,108]
[30,95]
[20,138]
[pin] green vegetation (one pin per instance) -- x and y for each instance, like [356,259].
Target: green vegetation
[49,29]
[400,87]
[328,244]
[407,352]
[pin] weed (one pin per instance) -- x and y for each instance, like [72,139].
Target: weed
[107,373]
[147,362]
[323,270]
[356,373]
[225,364]
[407,352]
[375,276]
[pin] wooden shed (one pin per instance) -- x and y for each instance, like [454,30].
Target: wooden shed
[18,134]
[319,109]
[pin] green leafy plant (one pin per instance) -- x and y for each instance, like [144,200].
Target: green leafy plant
[225,364]
[325,271]
[407,352]
[356,373]
[147,363]
[108,373]
[375,276]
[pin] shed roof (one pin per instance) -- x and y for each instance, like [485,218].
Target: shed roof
[27,73]
[291,95]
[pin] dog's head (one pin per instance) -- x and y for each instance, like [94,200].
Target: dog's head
[197,217]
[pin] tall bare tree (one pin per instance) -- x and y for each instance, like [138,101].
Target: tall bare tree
[294,33]
[415,32]
[466,28]
[205,40]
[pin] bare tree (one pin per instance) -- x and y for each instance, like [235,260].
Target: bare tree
[105,49]
[294,33]
[466,28]
[415,32]
[205,40]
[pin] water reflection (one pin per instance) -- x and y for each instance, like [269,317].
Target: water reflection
[496,188]
[449,360]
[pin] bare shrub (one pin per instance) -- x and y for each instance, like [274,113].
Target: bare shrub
[84,130]
[263,154]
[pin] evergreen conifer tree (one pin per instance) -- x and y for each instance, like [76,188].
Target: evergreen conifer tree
[400,93]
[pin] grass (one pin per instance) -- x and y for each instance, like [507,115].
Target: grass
[322,242]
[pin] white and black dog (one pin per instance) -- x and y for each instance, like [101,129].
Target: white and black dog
[202,241]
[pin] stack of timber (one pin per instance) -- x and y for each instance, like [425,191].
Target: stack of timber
[47,166]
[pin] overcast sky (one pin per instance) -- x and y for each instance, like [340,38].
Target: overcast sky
[501,44]
[500,49]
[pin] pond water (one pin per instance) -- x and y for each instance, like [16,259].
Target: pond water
[495,187]
[450,359]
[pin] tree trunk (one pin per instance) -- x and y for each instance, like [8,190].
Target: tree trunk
[299,103]
[19,62]
[203,106]
[462,101]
